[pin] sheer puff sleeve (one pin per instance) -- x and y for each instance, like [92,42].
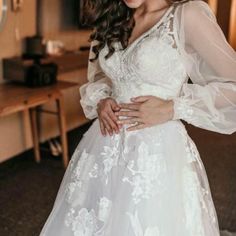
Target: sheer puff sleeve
[97,87]
[210,62]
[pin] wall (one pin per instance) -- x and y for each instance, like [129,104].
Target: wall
[15,140]
[10,44]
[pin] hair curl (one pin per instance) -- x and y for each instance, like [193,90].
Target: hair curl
[112,22]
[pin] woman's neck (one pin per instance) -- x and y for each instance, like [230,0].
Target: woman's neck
[152,6]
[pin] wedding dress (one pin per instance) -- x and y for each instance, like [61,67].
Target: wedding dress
[151,182]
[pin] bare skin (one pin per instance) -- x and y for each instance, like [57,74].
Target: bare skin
[146,110]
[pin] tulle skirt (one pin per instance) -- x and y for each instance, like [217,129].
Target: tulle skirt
[148,182]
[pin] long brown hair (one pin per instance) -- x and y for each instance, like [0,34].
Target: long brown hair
[112,22]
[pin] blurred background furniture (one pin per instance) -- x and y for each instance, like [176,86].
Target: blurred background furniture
[16,98]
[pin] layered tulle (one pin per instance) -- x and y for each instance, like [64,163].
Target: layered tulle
[142,183]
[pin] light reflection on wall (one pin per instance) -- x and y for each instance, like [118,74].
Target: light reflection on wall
[214,5]
[232,27]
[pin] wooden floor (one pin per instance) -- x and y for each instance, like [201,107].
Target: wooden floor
[28,190]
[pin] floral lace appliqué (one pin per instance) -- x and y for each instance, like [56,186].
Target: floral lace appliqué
[110,156]
[104,209]
[76,175]
[137,227]
[145,172]
[82,223]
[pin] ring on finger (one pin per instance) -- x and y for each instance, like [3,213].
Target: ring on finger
[137,122]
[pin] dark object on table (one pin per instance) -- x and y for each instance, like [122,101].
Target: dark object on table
[41,75]
[29,73]
[47,68]
[34,48]
[84,48]
[29,70]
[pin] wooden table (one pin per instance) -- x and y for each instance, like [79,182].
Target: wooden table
[17,98]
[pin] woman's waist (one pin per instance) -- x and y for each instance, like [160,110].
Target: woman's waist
[171,124]
[124,93]
[168,126]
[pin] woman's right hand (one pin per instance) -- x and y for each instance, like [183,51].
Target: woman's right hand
[106,109]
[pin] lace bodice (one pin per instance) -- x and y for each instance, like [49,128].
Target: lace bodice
[150,65]
[185,43]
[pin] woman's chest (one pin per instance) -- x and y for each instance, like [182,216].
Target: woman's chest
[153,58]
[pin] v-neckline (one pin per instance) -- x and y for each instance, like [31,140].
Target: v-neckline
[148,30]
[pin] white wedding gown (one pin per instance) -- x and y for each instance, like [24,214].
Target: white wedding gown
[151,182]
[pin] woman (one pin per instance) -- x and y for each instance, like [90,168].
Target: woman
[146,178]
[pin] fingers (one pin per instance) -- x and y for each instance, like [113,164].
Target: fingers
[129,120]
[130,106]
[112,116]
[108,120]
[128,113]
[112,124]
[141,98]
[107,125]
[115,106]
[102,127]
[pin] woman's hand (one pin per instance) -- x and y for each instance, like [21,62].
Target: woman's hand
[107,119]
[147,111]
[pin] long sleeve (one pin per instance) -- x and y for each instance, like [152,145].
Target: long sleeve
[98,87]
[210,62]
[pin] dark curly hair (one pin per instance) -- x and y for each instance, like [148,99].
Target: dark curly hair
[112,22]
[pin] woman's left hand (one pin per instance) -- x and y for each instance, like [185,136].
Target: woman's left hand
[145,111]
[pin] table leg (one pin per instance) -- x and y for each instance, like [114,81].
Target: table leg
[63,132]
[35,136]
